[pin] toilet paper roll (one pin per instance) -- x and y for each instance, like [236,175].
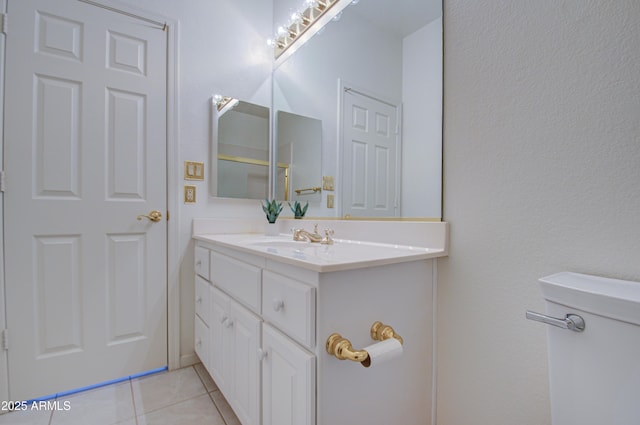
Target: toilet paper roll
[382,351]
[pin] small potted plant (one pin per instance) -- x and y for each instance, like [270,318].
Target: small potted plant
[272,210]
[298,210]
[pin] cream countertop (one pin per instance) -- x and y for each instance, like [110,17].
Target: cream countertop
[342,255]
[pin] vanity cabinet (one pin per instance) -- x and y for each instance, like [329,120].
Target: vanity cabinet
[202,321]
[288,381]
[234,363]
[291,306]
[262,324]
[202,288]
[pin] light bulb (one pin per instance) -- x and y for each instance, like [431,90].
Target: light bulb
[296,17]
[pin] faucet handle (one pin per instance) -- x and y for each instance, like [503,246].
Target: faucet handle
[327,237]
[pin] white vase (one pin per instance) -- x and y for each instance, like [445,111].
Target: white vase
[272,229]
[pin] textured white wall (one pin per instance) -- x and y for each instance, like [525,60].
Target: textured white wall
[541,174]
[222,49]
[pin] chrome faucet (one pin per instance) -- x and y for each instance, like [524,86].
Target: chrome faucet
[315,237]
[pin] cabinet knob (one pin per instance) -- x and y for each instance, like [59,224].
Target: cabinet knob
[262,354]
[228,323]
[199,343]
[278,304]
[199,299]
[198,263]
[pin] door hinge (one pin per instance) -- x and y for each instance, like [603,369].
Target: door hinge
[5,339]
[1,180]
[4,23]
[167,215]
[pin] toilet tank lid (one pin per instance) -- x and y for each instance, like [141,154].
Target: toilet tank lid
[614,298]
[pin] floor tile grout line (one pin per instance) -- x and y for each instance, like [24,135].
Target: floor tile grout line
[133,401]
[52,411]
[224,420]
[199,377]
[202,379]
[209,394]
[171,404]
[137,415]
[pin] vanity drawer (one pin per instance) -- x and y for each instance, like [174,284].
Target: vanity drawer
[202,299]
[201,262]
[238,279]
[291,306]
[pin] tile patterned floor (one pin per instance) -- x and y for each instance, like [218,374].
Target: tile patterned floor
[183,396]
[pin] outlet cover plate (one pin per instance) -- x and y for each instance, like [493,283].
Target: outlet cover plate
[189,194]
[329,201]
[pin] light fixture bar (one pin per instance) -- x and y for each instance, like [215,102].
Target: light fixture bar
[221,101]
[301,22]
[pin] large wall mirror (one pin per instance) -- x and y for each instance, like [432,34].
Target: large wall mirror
[360,103]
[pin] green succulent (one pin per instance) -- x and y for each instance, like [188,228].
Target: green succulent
[298,210]
[272,210]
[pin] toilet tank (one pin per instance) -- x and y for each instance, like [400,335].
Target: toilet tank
[594,374]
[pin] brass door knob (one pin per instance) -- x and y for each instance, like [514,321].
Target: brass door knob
[154,216]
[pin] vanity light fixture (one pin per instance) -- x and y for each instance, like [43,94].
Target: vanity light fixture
[301,21]
[221,101]
[224,103]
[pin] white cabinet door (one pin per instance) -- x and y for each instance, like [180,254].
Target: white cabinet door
[288,381]
[233,358]
[245,336]
[202,338]
[219,353]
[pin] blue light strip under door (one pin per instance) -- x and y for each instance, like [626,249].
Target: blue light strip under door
[101,384]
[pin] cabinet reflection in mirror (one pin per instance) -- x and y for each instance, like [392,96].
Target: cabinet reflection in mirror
[241,137]
[299,144]
[373,78]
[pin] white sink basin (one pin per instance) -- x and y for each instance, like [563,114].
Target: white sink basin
[281,244]
[278,242]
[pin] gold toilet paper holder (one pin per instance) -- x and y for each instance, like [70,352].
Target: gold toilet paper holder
[342,349]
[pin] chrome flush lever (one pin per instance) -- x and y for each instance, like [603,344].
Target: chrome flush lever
[573,322]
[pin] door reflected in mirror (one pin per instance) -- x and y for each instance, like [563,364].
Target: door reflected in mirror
[389,53]
[241,133]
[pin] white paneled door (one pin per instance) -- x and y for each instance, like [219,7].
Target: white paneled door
[370,149]
[85,155]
